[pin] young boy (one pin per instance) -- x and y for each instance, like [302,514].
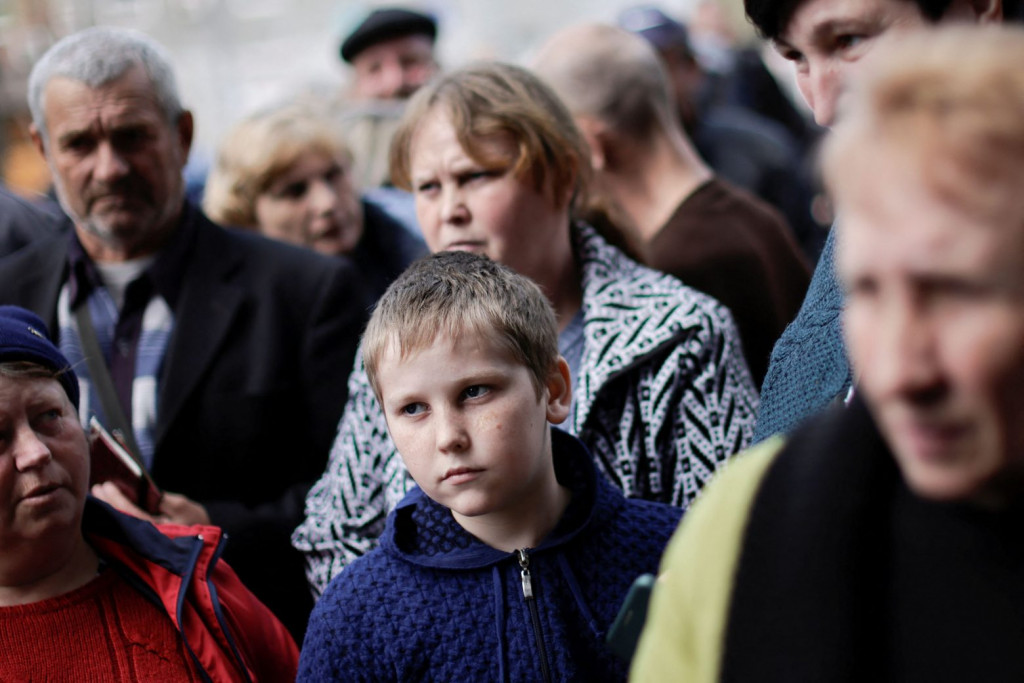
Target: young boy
[512,558]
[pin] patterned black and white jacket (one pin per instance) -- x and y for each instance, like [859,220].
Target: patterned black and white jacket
[664,398]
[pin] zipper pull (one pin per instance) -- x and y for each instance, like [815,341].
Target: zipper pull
[524,575]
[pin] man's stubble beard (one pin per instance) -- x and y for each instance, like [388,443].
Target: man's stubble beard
[95,228]
[124,240]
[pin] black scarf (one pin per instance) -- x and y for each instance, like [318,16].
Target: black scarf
[827,584]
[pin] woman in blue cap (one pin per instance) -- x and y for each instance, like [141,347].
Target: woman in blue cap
[86,592]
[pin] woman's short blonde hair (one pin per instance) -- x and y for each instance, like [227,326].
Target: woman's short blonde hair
[949,99]
[257,150]
[494,101]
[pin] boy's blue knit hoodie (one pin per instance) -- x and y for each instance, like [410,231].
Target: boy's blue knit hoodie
[434,603]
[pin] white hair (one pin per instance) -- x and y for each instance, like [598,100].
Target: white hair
[97,56]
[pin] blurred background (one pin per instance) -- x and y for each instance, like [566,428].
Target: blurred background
[233,56]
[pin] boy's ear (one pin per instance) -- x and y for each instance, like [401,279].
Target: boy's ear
[559,386]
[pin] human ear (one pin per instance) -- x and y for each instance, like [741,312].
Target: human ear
[988,11]
[981,11]
[185,129]
[37,139]
[559,392]
[595,133]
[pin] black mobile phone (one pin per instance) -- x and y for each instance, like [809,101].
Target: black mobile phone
[625,631]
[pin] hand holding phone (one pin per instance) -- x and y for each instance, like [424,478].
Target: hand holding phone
[625,631]
[111,461]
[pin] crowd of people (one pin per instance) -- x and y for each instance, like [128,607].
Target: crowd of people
[429,387]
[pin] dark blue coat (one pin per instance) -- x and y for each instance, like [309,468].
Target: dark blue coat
[434,603]
[808,368]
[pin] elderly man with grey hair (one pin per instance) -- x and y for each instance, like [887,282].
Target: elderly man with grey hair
[207,348]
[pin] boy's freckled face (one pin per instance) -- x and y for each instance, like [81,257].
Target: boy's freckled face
[467,419]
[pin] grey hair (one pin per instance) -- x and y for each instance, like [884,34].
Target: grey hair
[97,56]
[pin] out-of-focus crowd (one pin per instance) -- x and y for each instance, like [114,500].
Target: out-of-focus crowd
[432,380]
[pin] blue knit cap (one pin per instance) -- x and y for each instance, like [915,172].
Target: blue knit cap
[659,29]
[23,336]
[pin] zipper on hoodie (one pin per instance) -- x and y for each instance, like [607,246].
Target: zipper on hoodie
[524,576]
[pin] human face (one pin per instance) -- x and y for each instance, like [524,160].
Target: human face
[313,204]
[827,41]
[44,465]
[462,204]
[394,69]
[470,426]
[934,322]
[116,162]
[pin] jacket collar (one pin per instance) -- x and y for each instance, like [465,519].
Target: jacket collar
[209,299]
[165,272]
[630,313]
[168,565]
[424,533]
[174,549]
[210,294]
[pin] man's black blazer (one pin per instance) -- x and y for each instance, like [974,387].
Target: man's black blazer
[22,222]
[252,387]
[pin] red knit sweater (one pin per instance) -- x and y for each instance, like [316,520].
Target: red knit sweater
[103,631]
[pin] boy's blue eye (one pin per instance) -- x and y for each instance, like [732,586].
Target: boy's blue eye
[475,391]
[413,409]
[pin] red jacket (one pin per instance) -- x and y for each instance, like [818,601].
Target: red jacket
[230,634]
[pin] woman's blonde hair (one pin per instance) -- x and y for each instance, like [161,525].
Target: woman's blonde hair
[492,101]
[257,150]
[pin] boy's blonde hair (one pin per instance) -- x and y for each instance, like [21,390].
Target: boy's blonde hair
[951,101]
[494,101]
[258,150]
[450,294]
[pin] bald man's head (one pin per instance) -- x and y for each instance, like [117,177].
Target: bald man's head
[609,74]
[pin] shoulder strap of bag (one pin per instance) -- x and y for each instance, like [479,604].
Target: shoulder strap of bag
[100,376]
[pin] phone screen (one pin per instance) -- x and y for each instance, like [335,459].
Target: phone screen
[625,631]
